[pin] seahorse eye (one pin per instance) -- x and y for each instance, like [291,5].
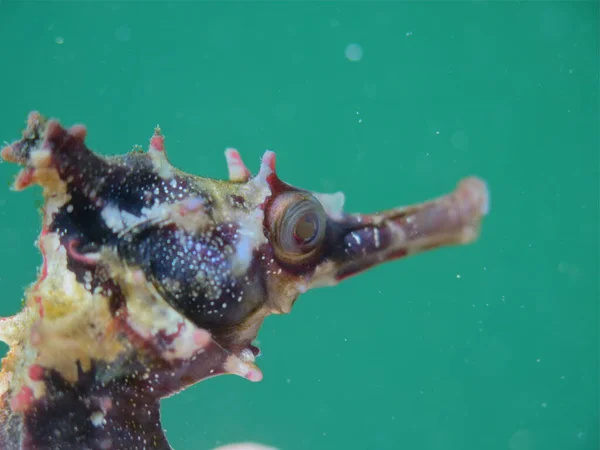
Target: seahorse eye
[297,224]
[306,228]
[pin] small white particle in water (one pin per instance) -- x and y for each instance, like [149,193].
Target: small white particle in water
[408,33]
[59,40]
[538,360]
[457,275]
[224,305]
[544,405]
[437,132]
[70,208]
[353,52]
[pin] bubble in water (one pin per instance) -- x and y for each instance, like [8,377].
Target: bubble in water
[353,52]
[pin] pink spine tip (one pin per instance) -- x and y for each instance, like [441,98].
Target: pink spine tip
[254,375]
[22,400]
[8,154]
[78,131]
[54,130]
[237,169]
[36,372]
[269,160]
[157,142]
[24,179]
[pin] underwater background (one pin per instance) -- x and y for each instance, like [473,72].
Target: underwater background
[485,347]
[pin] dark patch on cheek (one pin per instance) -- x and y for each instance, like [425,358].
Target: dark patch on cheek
[195,274]
[128,184]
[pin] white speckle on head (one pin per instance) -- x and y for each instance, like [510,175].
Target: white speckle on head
[69,284]
[376,236]
[251,236]
[129,219]
[243,255]
[247,355]
[193,204]
[118,220]
[112,218]
[97,418]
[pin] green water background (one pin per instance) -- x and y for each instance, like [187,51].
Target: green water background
[487,347]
